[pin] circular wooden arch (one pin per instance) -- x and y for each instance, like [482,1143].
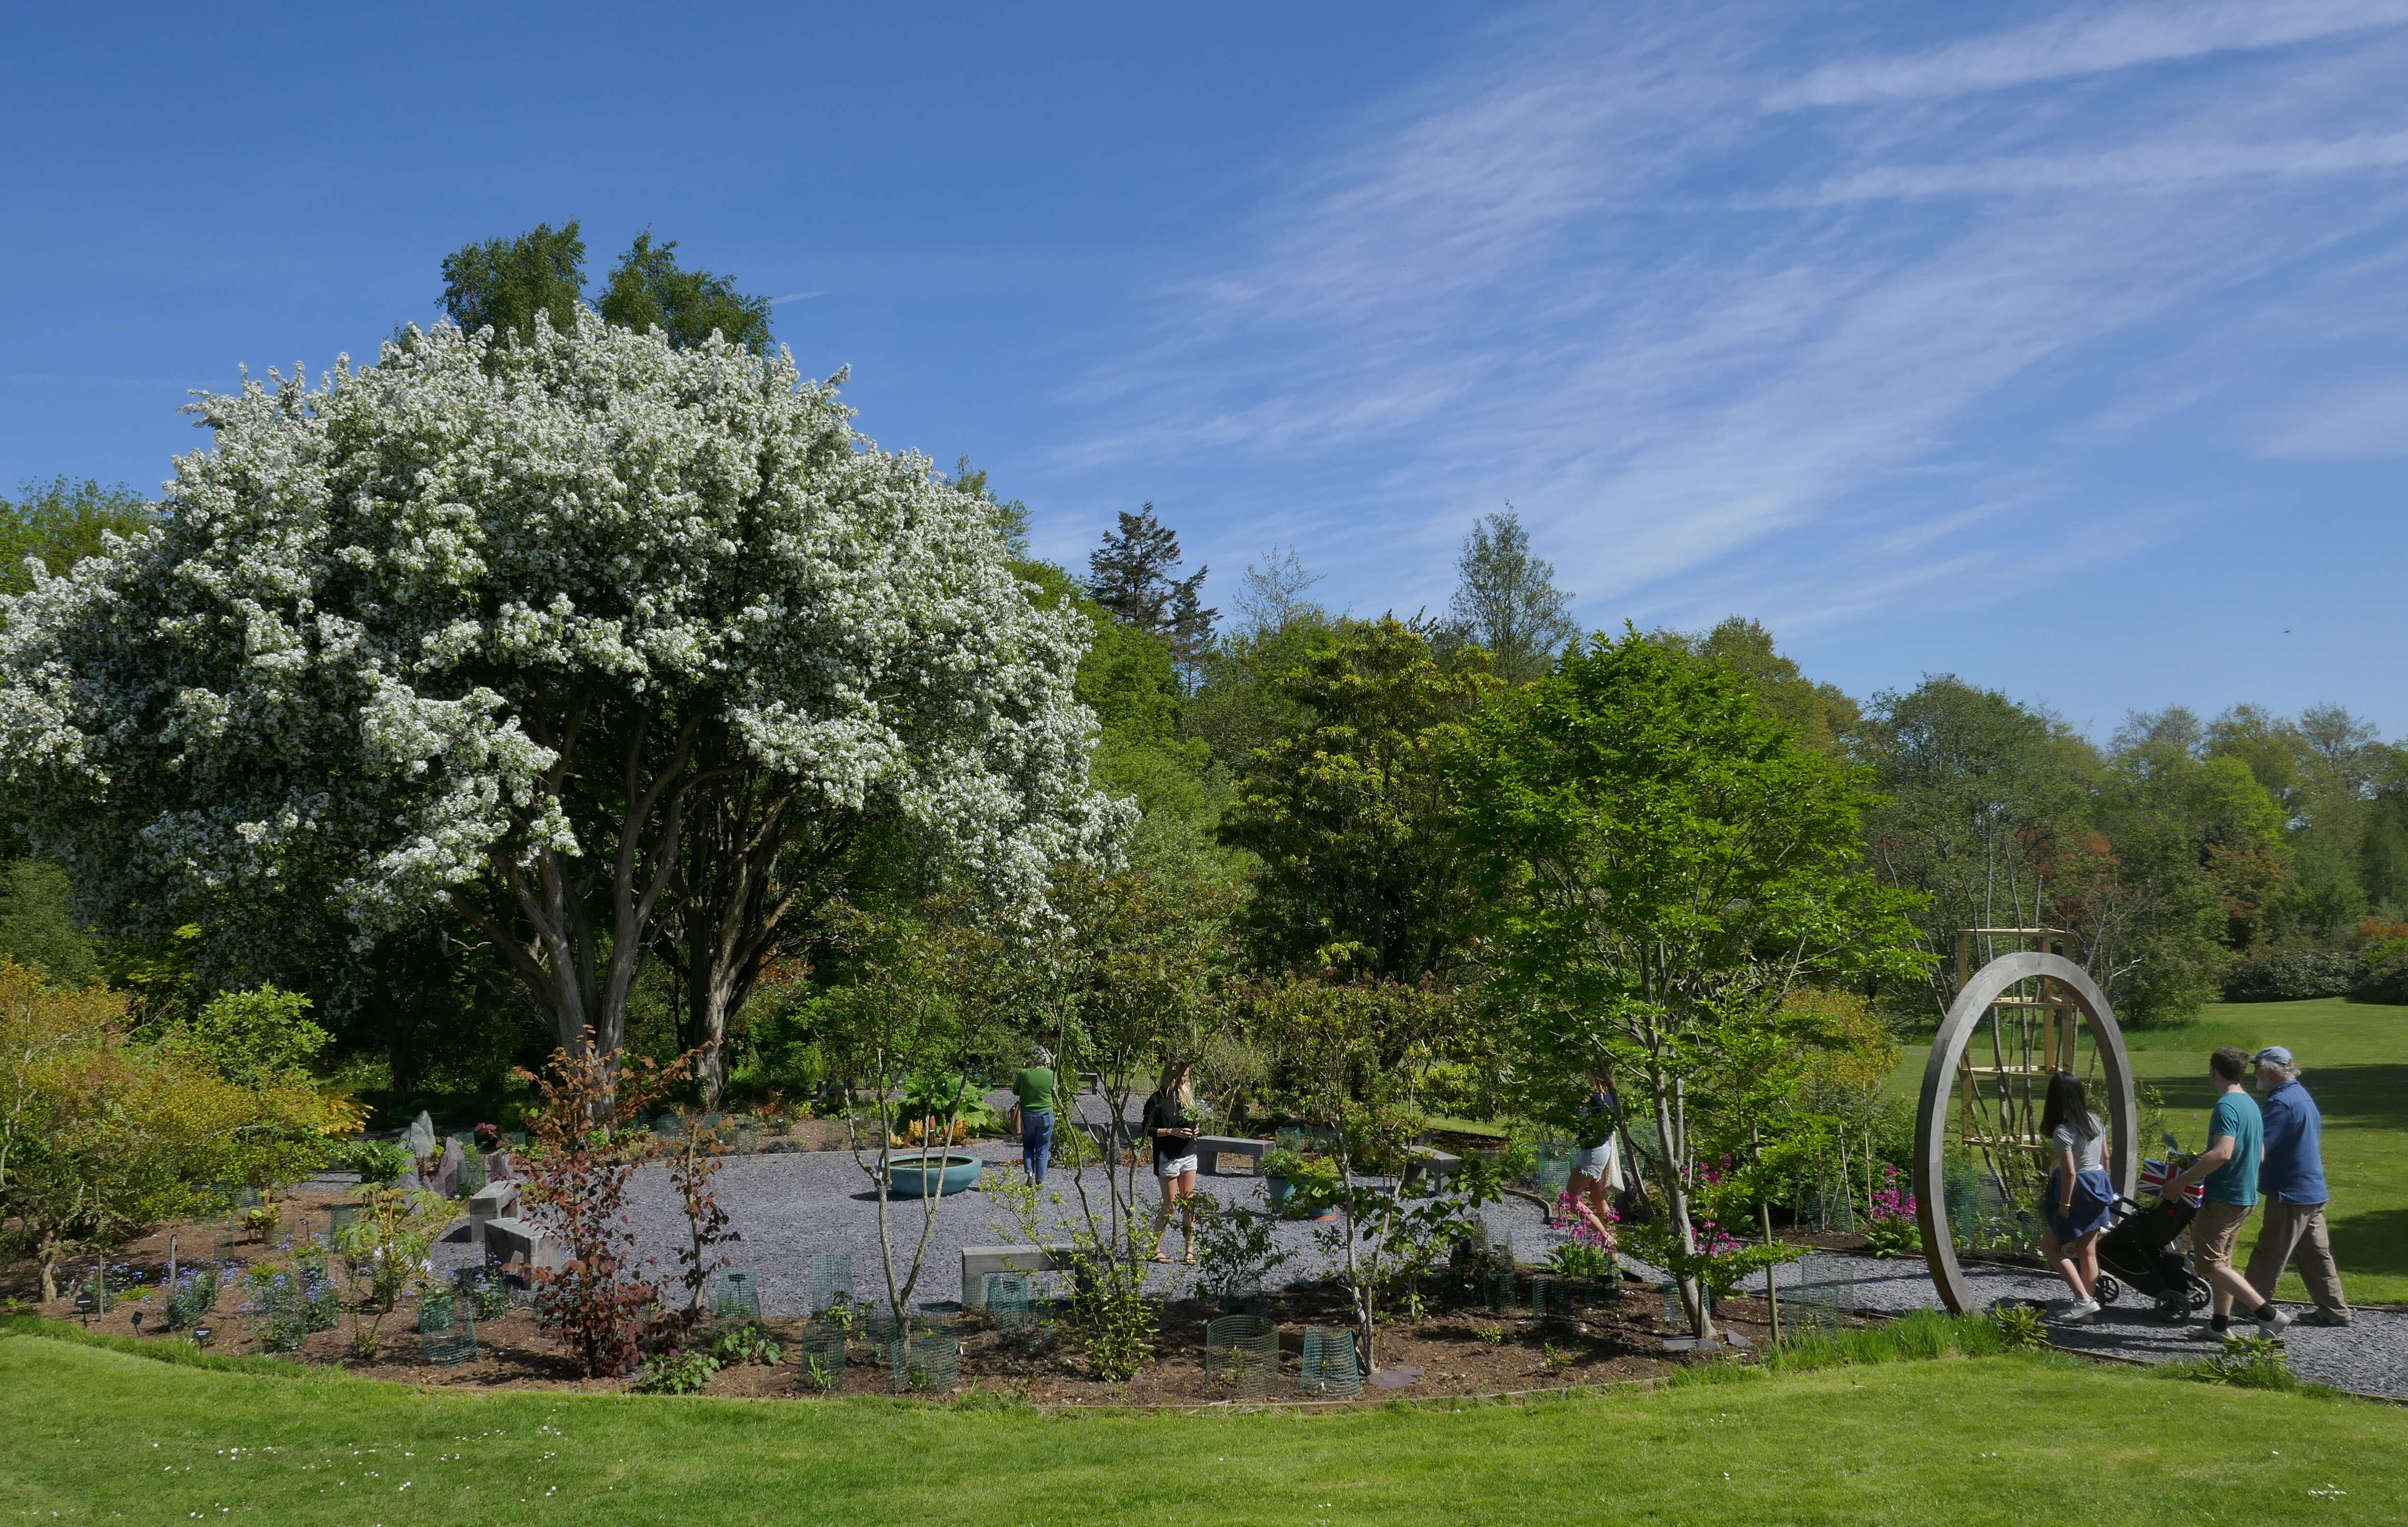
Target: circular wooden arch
[1957,1030]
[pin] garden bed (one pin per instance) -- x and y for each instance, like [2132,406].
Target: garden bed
[1457,1345]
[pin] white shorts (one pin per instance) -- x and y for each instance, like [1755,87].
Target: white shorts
[1176,1166]
[1602,1164]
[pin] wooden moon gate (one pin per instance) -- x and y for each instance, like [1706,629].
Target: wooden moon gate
[1941,1080]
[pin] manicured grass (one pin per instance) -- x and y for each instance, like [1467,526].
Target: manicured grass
[2354,1057]
[96,1434]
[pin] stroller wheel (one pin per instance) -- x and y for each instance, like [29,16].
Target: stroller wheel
[2109,1287]
[2198,1293]
[2173,1307]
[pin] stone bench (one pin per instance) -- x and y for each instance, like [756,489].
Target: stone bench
[492,1202]
[512,1239]
[1210,1149]
[1427,1162]
[978,1261]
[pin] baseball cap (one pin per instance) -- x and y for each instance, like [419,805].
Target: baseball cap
[2275,1053]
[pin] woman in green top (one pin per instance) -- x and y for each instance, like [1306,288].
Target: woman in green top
[1032,1113]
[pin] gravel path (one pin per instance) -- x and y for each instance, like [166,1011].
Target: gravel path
[2369,1356]
[787,1206]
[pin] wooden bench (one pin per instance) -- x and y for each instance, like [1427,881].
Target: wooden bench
[1210,1149]
[978,1261]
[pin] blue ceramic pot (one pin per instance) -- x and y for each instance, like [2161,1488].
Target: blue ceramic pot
[913,1174]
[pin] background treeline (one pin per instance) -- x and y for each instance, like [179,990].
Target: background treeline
[1285,759]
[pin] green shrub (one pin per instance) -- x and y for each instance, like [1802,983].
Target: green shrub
[2386,981]
[2247,1362]
[378,1162]
[2019,1328]
[745,1344]
[2292,976]
[675,1373]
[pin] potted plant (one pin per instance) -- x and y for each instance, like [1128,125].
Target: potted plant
[1300,1187]
[1279,1169]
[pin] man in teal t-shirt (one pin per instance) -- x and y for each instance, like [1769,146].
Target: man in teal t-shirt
[2228,1171]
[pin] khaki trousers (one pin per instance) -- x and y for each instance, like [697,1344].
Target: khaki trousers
[2297,1230]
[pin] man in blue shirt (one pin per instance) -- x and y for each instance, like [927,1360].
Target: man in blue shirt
[2292,1183]
[2228,1170]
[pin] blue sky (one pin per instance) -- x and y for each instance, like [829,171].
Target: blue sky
[2061,348]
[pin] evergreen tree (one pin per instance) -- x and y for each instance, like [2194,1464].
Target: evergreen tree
[1131,575]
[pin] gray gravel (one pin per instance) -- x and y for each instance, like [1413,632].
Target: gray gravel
[2369,1356]
[787,1206]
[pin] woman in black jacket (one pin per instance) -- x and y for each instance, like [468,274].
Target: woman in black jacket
[1170,1122]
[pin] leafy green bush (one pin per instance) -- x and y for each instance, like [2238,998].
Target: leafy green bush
[2388,981]
[949,1099]
[746,1344]
[1577,1258]
[2020,1328]
[2292,976]
[2248,1360]
[675,1373]
[378,1162]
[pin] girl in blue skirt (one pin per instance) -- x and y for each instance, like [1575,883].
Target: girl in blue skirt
[2079,1198]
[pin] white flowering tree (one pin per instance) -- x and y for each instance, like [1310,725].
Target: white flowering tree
[482,624]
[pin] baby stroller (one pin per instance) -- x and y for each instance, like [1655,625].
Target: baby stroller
[2138,1250]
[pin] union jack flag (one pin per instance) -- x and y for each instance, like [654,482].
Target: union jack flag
[2156,1173]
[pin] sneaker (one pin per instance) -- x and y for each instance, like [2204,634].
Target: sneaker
[2325,1317]
[2081,1314]
[2204,1332]
[2272,1321]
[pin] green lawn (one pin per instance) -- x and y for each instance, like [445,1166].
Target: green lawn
[2354,1057]
[96,1435]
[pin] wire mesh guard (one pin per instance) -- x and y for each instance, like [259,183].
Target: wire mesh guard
[1821,1305]
[1677,1313]
[927,1362]
[1007,1297]
[737,1296]
[1241,1356]
[1329,1368]
[1555,1167]
[1831,1207]
[452,1345]
[435,1311]
[1498,1291]
[1553,1296]
[1985,1214]
[831,1277]
[820,1351]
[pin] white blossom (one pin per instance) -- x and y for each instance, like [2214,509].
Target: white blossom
[337,667]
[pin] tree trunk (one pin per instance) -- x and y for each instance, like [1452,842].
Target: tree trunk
[1676,1202]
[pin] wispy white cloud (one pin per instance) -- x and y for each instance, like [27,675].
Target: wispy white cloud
[1580,272]
[2085,41]
[2164,165]
[2369,424]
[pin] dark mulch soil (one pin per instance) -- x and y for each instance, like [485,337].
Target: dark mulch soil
[1458,1345]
